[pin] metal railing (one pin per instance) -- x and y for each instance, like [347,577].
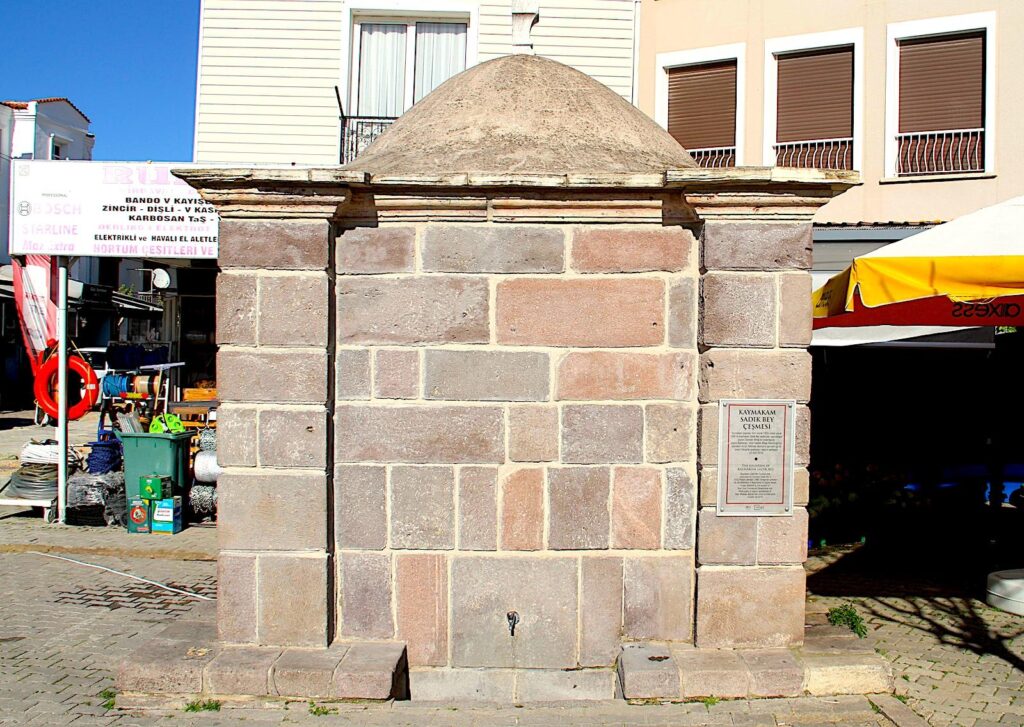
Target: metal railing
[816,154]
[940,152]
[714,157]
[357,132]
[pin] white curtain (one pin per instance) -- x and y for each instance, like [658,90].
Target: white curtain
[381,69]
[440,54]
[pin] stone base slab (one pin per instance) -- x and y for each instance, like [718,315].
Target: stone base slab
[512,686]
[185,660]
[831,661]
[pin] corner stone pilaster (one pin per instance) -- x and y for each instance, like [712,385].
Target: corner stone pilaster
[273,329]
[755,321]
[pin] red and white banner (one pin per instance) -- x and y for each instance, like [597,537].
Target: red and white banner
[35,295]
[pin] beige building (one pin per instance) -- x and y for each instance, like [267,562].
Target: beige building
[921,96]
[313,81]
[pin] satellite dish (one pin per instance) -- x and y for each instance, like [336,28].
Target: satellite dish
[161,279]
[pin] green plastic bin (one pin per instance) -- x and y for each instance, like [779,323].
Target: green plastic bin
[155,454]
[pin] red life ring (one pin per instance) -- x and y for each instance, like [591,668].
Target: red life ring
[45,387]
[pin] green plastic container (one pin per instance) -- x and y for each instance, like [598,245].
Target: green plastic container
[155,454]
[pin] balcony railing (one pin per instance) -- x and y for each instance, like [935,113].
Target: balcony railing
[816,154]
[358,131]
[714,157]
[940,152]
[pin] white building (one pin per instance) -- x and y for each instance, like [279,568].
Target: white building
[44,128]
[271,75]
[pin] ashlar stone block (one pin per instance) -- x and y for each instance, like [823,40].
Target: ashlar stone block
[360,519]
[739,309]
[241,670]
[747,607]
[236,309]
[670,432]
[658,597]
[366,250]
[600,610]
[478,508]
[422,508]
[413,310]
[615,249]
[285,300]
[618,375]
[486,375]
[602,434]
[365,595]
[396,373]
[522,524]
[421,607]
[420,434]
[542,591]
[636,508]
[307,672]
[482,248]
[293,614]
[568,312]
[533,433]
[743,374]
[578,497]
[757,246]
[274,244]
[262,375]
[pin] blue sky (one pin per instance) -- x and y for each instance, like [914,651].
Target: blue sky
[129,65]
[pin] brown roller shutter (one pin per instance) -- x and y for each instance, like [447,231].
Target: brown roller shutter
[815,95]
[702,105]
[942,83]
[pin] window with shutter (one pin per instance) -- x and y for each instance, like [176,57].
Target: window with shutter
[941,127]
[814,109]
[702,111]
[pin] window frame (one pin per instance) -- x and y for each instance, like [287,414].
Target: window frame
[929,28]
[812,42]
[665,62]
[401,12]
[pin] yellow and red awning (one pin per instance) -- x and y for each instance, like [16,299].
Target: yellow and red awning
[968,272]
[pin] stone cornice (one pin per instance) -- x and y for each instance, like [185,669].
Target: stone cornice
[742,193]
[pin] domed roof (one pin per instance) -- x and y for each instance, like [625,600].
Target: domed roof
[522,115]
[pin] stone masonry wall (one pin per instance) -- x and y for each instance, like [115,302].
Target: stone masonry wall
[755,328]
[273,307]
[515,427]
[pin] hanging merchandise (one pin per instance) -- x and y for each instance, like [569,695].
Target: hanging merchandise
[166,423]
[206,467]
[203,499]
[45,388]
[208,439]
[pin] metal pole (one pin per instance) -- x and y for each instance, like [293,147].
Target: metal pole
[62,386]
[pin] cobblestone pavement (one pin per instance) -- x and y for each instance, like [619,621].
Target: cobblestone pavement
[64,628]
[956,660]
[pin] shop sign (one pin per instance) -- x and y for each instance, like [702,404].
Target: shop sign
[108,209]
[756,448]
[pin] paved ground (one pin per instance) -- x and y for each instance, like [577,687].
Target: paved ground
[17,428]
[64,627]
[956,660]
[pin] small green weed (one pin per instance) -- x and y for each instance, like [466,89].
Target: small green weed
[874,707]
[319,711]
[710,702]
[905,678]
[846,615]
[901,697]
[206,705]
[108,696]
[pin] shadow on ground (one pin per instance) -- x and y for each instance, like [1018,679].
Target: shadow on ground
[918,588]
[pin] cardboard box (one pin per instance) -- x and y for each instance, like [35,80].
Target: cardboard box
[166,517]
[140,516]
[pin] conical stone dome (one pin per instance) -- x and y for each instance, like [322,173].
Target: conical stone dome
[522,115]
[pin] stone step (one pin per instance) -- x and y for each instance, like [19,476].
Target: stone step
[830,665]
[186,660]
